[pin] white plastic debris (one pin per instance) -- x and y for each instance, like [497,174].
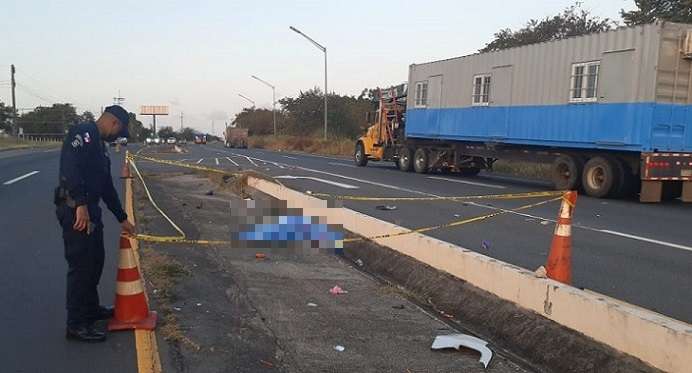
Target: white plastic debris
[339,348]
[457,340]
[312,304]
[359,262]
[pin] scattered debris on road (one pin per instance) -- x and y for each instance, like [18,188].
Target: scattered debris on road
[209,193]
[485,245]
[336,290]
[386,207]
[359,262]
[457,340]
[340,348]
[310,304]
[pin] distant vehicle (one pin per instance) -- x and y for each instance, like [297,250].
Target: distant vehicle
[171,140]
[149,141]
[182,141]
[157,141]
[200,139]
[235,137]
[119,141]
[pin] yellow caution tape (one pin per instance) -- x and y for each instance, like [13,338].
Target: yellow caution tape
[455,223]
[182,238]
[549,193]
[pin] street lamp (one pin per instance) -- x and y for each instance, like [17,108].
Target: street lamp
[323,49]
[248,99]
[273,98]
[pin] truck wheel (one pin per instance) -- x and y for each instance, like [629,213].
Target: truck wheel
[359,156]
[566,172]
[404,161]
[420,161]
[600,177]
[469,171]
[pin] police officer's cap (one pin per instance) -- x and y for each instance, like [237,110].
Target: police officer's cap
[122,116]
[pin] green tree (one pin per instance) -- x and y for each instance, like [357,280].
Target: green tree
[649,11]
[138,132]
[573,21]
[187,134]
[87,116]
[166,132]
[5,117]
[54,119]
[258,121]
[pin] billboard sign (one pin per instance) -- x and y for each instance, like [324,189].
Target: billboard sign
[153,110]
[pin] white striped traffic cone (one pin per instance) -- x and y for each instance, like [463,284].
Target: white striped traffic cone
[131,309]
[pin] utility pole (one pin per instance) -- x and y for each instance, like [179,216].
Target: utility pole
[14,102]
[273,98]
[326,90]
[181,122]
[118,100]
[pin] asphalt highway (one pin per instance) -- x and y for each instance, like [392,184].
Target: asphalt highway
[639,253]
[32,312]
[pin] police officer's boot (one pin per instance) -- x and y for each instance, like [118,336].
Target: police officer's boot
[85,333]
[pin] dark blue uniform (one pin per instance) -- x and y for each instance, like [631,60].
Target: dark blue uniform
[85,179]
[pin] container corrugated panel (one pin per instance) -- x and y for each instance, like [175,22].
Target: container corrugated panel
[530,91]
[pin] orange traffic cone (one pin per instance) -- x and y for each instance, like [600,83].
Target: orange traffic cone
[559,265]
[131,310]
[125,172]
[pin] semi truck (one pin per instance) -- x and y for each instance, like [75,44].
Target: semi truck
[235,137]
[611,112]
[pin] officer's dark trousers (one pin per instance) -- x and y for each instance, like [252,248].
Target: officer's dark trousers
[84,254]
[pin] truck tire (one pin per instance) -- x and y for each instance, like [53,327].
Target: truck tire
[601,177]
[566,172]
[405,160]
[420,161]
[469,171]
[359,156]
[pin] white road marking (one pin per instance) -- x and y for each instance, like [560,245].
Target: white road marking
[248,159]
[183,160]
[340,185]
[342,164]
[467,182]
[264,161]
[200,160]
[232,161]
[9,182]
[649,240]
[285,156]
[217,161]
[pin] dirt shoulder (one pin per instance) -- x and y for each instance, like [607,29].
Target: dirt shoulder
[225,310]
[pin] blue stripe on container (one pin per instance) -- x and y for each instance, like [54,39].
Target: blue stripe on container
[633,127]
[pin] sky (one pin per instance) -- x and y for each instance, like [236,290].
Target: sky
[196,57]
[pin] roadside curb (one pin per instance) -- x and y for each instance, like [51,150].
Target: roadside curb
[148,359]
[663,342]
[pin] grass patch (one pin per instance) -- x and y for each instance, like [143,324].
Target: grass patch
[163,273]
[12,143]
[303,144]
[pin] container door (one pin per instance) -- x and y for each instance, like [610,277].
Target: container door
[434,112]
[500,101]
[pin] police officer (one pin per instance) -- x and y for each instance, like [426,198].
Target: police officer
[85,180]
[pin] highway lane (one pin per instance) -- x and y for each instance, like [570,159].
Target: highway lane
[638,253]
[32,314]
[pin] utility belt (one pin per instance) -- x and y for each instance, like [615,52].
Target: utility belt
[62,197]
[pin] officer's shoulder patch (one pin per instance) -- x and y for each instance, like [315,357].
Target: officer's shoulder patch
[78,141]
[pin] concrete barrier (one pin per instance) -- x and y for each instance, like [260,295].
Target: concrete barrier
[663,342]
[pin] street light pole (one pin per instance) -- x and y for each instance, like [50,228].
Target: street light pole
[273,98]
[248,99]
[323,49]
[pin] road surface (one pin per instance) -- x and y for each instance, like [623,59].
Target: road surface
[639,253]
[32,313]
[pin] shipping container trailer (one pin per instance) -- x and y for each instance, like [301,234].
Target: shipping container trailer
[611,111]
